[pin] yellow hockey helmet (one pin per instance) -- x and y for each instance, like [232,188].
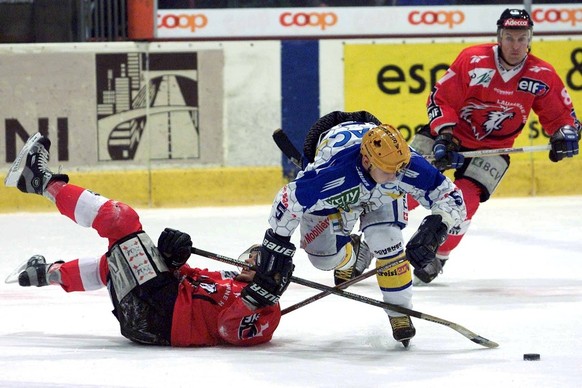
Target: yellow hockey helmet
[386,148]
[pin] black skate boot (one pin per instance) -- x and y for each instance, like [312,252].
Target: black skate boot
[402,329]
[33,175]
[38,273]
[363,260]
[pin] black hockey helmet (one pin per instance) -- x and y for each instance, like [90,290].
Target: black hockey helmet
[515,19]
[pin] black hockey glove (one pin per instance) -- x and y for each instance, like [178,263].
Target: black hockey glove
[175,247]
[422,247]
[564,143]
[446,152]
[274,267]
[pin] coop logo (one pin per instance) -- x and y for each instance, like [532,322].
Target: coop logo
[190,22]
[449,18]
[571,16]
[321,20]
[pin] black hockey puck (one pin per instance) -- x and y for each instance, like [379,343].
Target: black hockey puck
[531,357]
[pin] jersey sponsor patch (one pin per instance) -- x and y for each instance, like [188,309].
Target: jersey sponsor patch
[481,76]
[434,112]
[532,86]
[388,252]
[345,199]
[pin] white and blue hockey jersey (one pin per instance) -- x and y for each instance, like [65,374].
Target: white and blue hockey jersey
[337,182]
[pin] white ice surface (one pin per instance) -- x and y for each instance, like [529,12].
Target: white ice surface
[516,279]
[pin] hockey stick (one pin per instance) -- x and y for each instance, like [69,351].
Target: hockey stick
[294,155]
[499,151]
[341,286]
[288,149]
[360,298]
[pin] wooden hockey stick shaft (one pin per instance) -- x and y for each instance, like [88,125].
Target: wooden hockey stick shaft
[500,151]
[289,150]
[341,286]
[360,298]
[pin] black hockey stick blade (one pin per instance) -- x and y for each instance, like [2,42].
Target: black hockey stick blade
[286,147]
[363,299]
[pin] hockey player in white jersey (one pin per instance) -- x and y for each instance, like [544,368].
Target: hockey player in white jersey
[356,169]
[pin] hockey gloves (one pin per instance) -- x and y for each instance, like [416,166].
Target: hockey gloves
[175,247]
[422,247]
[446,152]
[564,143]
[274,267]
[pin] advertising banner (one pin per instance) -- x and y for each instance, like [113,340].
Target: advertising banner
[333,22]
[115,109]
[393,81]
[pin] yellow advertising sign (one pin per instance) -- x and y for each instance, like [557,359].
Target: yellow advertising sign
[393,81]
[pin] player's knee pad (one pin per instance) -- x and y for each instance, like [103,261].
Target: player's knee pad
[132,262]
[116,220]
[384,241]
[332,261]
[393,274]
[485,172]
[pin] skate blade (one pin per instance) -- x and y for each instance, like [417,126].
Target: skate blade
[17,166]
[13,277]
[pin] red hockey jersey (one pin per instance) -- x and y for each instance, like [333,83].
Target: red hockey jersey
[209,311]
[489,106]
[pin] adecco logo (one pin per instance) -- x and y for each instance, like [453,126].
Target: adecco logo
[183,21]
[308,19]
[556,15]
[449,18]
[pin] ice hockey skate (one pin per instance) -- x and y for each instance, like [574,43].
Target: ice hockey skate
[363,260]
[29,171]
[36,272]
[402,329]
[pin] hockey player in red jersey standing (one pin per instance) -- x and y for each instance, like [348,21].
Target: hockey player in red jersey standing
[483,102]
[158,299]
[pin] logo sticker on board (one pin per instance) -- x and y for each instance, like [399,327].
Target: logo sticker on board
[147,109]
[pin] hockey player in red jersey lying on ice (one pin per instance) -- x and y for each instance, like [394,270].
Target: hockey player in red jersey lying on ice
[157,298]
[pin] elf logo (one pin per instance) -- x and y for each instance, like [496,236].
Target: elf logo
[434,112]
[535,87]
